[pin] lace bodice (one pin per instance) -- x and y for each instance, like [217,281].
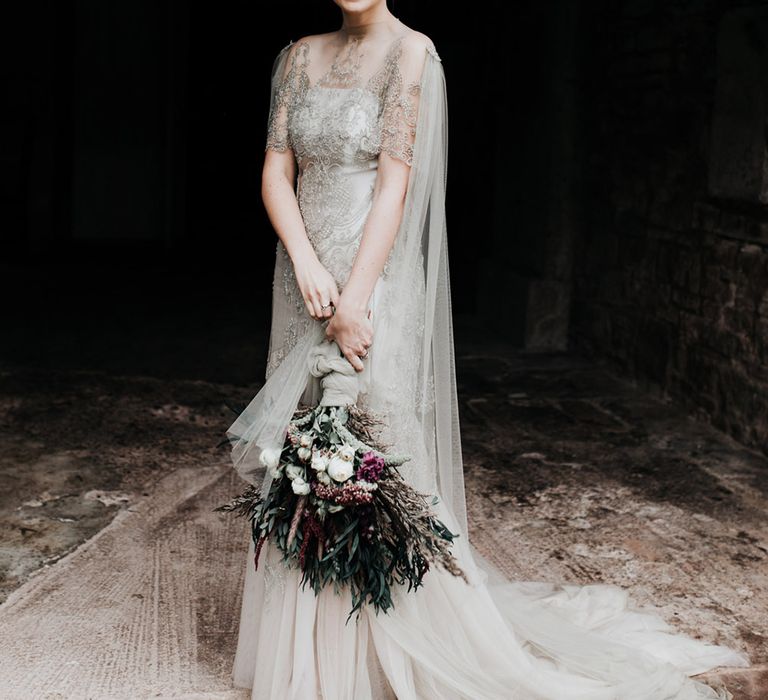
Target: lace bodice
[373,88]
[337,115]
[337,105]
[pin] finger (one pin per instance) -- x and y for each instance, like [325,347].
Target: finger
[310,308]
[354,360]
[316,304]
[334,295]
[327,310]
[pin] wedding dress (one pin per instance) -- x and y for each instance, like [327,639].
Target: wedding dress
[338,105]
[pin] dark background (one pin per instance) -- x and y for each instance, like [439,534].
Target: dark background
[607,189]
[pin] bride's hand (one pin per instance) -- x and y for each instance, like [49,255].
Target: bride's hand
[317,287]
[352,330]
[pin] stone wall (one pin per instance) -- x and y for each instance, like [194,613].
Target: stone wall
[671,272]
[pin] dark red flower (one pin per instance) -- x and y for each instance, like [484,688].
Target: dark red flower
[371,468]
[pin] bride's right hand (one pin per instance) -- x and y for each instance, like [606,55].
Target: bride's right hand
[318,288]
[352,330]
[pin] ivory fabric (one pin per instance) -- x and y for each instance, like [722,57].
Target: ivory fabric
[338,110]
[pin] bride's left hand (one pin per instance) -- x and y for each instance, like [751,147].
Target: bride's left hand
[352,330]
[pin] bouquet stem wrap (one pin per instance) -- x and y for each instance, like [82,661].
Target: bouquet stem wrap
[338,378]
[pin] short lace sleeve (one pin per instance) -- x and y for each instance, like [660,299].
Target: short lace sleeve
[401,94]
[287,75]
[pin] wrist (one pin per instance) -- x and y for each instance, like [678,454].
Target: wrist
[304,257]
[357,291]
[351,300]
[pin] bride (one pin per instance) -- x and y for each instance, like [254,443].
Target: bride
[354,185]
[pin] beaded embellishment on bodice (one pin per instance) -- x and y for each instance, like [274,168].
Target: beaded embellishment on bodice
[336,128]
[337,111]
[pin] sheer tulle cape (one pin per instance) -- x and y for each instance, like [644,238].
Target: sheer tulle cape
[490,639]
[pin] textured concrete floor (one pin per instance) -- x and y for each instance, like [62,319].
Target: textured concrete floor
[124,584]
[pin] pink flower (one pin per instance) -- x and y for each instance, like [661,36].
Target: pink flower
[371,468]
[348,495]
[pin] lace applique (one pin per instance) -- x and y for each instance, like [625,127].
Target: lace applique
[289,90]
[290,284]
[399,125]
[337,128]
[397,109]
[331,217]
[336,137]
[284,284]
[335,125]
[345,68]
[296,327]
[397,120]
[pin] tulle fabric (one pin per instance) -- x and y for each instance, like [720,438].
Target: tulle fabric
[487,640]
[450,641]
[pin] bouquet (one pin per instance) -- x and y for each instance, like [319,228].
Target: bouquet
[339,510]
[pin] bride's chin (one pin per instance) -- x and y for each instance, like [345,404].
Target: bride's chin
[355,6]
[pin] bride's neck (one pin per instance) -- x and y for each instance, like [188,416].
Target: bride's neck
[366,23]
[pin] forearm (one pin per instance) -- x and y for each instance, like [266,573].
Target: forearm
[282,208]
[376,242]
[317,286]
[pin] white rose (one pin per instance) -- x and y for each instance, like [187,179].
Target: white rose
[323,478]
[304,453]
[276,473]
[270,457]
[305,440]
[294,472]
[347,453]
[340,469]
[300,487]
[319,462]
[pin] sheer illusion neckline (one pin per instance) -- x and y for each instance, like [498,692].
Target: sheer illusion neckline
[344,71]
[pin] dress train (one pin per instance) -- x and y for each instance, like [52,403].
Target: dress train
[450,640]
